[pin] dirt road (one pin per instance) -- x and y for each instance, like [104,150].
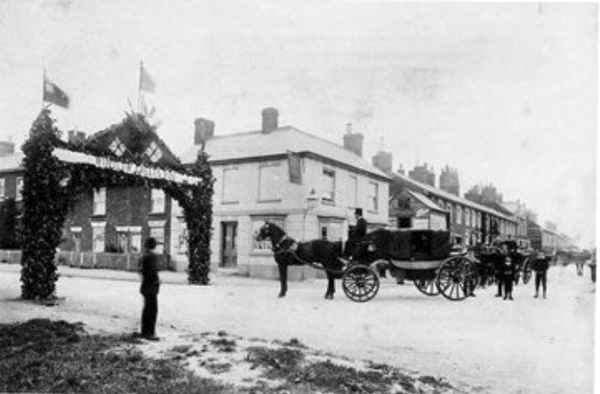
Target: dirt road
[489,345]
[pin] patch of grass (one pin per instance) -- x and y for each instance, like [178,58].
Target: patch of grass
[55,356]
[279,363]
[329,376]
[295,342]
[181,348]
[434,381]
[224,344]
[216,368]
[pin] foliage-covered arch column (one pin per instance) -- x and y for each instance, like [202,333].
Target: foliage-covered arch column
[44,210]
[51,186]
[196,204]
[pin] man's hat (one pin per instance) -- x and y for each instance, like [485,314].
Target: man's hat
[358,211]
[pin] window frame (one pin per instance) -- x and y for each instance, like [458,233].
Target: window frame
[373,199]
[329,172]
[154,208]
[19,185]
[99,204]
[276,183]
[235,198]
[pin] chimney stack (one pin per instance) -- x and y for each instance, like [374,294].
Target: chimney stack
[423,174]
[449,181]
[383,161]
[270,119]
[7,148]
[353,141]
[204,130]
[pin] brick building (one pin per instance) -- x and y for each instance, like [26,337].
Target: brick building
[108,219]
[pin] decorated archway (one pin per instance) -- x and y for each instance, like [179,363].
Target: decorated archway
[57,172]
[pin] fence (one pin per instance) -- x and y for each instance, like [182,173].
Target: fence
[113,261]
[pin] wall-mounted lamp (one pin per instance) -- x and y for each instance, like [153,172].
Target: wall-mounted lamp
[312,200]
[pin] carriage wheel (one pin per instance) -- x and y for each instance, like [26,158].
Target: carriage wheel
[427,286]
[526,271]
[360,283]
[456,278]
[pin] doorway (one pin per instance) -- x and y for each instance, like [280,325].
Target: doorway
[228,245]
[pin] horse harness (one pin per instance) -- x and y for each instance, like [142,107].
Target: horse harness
[278,249]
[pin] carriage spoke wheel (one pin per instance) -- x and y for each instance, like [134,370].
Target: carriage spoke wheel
[427,286]
[360,283]
[456,278]
[526,271]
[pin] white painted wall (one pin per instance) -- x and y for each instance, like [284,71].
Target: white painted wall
[301,221]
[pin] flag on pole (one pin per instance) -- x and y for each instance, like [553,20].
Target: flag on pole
[55,95]
[147,84]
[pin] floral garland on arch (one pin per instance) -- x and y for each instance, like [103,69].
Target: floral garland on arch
[52,186]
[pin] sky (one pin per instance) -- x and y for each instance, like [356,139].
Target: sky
[506,93]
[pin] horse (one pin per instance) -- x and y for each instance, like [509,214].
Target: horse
[288,252]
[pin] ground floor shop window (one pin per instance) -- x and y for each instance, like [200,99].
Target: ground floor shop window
[98,237]
[182,238]
[331,229]
[76,237]
[157,231]
[129,239]
[257,222]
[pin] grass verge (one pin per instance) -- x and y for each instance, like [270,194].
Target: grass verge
[55,356]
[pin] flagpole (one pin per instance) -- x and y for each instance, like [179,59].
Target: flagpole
[140,88]
[43,85]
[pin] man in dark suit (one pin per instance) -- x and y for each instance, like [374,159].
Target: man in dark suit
[540,266]
[150,284]
[356,234]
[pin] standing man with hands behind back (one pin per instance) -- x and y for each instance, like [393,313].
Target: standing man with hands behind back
[150,284]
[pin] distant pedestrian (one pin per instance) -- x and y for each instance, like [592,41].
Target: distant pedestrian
[593,267]
[508,277]
[540,266]
[150,284]
[499,260]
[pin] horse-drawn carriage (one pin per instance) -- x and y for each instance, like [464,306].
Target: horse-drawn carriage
[422,256]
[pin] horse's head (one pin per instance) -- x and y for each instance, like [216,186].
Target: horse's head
[265,232]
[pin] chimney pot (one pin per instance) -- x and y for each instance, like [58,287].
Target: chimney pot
[6,148]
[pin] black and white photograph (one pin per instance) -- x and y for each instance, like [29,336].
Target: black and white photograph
[298,197]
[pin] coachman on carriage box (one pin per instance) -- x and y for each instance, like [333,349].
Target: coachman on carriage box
[356,234]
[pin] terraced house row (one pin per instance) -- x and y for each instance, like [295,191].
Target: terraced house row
[308,185]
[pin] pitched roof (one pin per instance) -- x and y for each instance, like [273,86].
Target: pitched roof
[12,162]
[255,144]
[136,135]
[449,196]
[426,201]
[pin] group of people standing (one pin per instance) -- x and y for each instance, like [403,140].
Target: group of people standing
[506,267]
